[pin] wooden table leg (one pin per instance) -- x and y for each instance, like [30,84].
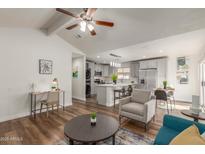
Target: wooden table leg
[71,142]
[196,119]
[34,106]
[31,104]
[113,139]
[63,100]
[114,98]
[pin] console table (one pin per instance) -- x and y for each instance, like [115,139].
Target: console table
[34,101]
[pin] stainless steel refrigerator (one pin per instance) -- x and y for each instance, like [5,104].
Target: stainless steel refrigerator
[148,79]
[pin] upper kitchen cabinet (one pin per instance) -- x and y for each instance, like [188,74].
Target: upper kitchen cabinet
[98,67]
[162,67]
[105,71]
[162,70]
[134,69]
[146,64]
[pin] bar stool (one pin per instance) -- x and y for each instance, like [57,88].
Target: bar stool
[119,91]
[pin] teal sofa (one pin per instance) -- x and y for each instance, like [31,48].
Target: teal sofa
[172,126]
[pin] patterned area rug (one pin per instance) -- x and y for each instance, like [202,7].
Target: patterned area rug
[176,107]
[123,137]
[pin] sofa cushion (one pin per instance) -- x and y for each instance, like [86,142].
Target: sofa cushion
[133,107]
[189,136]
[140,96]
[180,124]
[165,135]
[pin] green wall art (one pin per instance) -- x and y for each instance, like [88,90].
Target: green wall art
[75,72]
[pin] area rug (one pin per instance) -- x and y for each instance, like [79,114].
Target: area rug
[176,107]
[123,137]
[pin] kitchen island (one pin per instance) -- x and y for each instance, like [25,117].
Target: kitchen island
[105,93]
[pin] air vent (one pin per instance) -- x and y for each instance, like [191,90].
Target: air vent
[78,36]
[114,55]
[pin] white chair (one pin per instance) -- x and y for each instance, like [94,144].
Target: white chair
[51,101]
[138,107]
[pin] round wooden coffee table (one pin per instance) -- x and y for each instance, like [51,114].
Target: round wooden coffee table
[196,117]
[79,129]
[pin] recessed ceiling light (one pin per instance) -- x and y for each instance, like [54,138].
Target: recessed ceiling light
[98,56]
[161,51]
[144,56]
[90,27]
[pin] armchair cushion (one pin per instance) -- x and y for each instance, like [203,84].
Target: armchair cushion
[125,100]
[140,96]
[135,108]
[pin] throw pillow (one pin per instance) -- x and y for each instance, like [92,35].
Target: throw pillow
[189,136]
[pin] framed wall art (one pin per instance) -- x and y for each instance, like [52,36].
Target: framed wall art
[45,66]
[75,72]
[183,64]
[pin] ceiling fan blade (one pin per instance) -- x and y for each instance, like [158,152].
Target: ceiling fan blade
[66,12]
[92,32]
[104,23]
[72,26]
[90,12]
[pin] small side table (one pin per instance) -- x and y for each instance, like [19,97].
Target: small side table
[196,117]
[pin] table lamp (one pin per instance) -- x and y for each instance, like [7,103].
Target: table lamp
[195,104]
[55,82]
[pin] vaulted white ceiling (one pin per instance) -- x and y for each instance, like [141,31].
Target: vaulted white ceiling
[133,27]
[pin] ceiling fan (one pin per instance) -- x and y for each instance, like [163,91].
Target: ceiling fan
[85,19]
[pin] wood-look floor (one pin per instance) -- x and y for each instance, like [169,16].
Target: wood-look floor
[43,130]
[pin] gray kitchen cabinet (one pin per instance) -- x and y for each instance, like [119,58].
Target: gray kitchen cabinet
[146,64]
[111,71]
[98,68]
[162,70]
[134,69]
[105,71]
[143,64]
[152,63]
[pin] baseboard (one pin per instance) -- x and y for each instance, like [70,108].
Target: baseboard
[78,98]
[183,101]
[16,116]
[21,115]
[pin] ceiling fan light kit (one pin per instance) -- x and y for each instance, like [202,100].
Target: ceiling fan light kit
[83,26]
[86,18]
[90,27]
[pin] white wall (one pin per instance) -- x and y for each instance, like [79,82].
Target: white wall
[184,92]
[20,52]
[78,84]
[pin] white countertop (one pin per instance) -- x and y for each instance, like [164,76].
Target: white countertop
[114,85]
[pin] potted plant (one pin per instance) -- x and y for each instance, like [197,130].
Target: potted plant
[114,78]
[165,84]
[93,118]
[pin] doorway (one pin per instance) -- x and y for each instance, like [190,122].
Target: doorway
[202,84]
[78,77]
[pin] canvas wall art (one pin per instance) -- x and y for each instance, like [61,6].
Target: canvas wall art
[75,72]
[45,66]
[183,70]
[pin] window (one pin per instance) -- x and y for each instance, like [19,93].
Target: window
[123,73]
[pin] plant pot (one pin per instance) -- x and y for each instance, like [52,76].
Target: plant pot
[93,121]
[115,82]
[165,87]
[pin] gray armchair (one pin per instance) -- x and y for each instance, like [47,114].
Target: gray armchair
[138,107]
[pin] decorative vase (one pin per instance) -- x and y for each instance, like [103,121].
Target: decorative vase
[93,121]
